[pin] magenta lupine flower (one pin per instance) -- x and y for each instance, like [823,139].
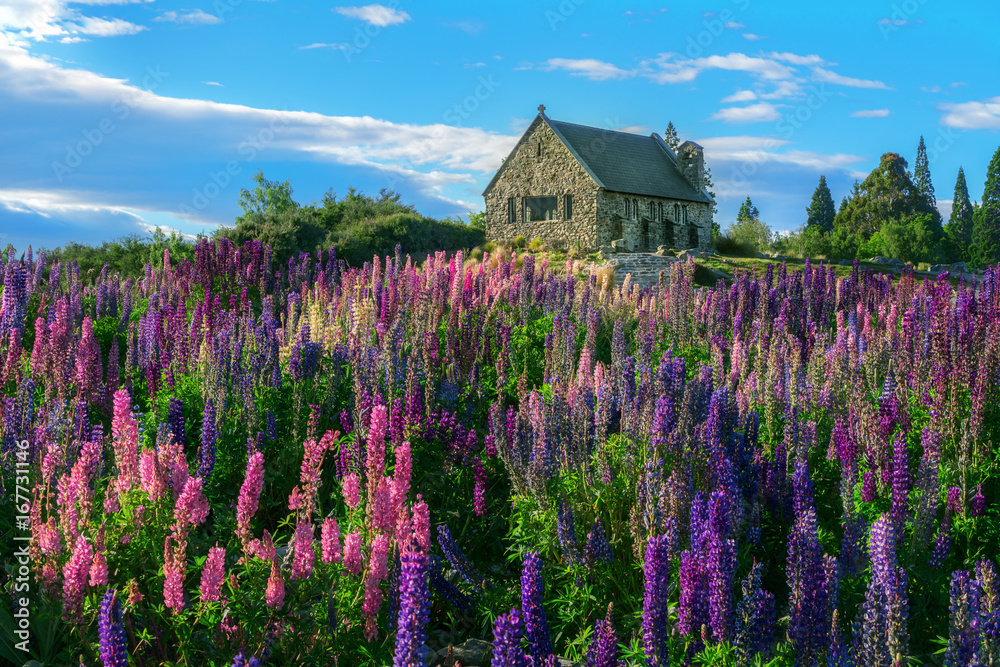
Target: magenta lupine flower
[330,541]
[378,570]
[977,506]
[422,524]
[191,508]
[111,630]
[377,426]
[249,499]
[151,477]
[401,475]
[414,610]
[304,553]
[404,530]
[532,595]
[351,487]
[380,509]
[274,594]
[125,435]
[174,567]
[75,574]
[479,491]
[48,537]
[99,566]
[87,371]
[353,557]
[955,499]
[507,631]
[213,574]
[692,610]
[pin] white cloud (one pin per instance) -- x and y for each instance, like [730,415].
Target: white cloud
[870,113]
[468,26]
[196,17]
[944,207]
[899,23]
[931,89]
[668,69]
[105,28]
[754,113]
[983,115]
[740,96]
[341,46]
[73,40]
[633,129]
[212,83]
[39,20]
[827,76]
[379,15]
[751,37]
[735,25]
[795,59]
[596,70]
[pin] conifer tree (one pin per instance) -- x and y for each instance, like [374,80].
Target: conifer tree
[821,211]
[986,225]
[960,223]
[671,136]
[748,212]
[922,175]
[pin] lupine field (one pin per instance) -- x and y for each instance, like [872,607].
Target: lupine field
[227,462]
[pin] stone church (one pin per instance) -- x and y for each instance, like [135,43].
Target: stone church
[570,184]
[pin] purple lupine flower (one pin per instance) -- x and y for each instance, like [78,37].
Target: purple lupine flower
[868,488]
[885,610]
[598,549]
[977,506]
[209,434]
[603,649]
[656,569]
[532,596]
[754,627]
[964,640]
[566,527]
[507,631]
[900,483]
[942,542]
[721,571]
[955,499]
[807,629]
[414,609]
[458,560]
[112,631]
[447,590]
[479,491]
[175,419]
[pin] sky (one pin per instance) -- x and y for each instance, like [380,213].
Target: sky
[121,116]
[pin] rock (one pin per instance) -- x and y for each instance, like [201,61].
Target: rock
[709,251]
[938,268]
[845,262]
[879,259]
[959,267]
[566,662]
[898,263]
[762,255]
[472,653]
[721,274]
[780,258]
[621,245]
[606,248]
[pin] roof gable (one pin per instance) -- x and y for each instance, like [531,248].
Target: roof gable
[618,161]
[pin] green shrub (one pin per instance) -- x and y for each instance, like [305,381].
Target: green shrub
[727,245]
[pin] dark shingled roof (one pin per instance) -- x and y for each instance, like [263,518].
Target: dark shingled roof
[630,163]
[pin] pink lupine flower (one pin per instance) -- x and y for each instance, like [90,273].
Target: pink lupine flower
[380,510]
[151,477]
[404,529]
[353,558]
[192,507]
[422,524]
[401,475]
[262,548]
[87,371]
[249,498]
[330,541]
[99,566]
[179,474]
[304,553]
[352,491]
[174,567]
[125,434]
[75,575]
[274,596]
[213,574]
[377,427]
[48,537]
[111,504]
[378,570]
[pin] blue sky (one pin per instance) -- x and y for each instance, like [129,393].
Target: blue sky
[117,116]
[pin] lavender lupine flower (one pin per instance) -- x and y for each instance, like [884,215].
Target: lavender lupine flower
[603,649]
[900,483]
[964,640]
[532,594]
[656,568]
[209,434]
[414,609]
[113,646]
[175,420]
[507,631]
[566,527]
[885,610]
[721,571]
[942,542]
[868,488]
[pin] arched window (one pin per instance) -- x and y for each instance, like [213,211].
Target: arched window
[677,213]
[651,216]
[626,208]
[684,214]
[659,211]
[635,208]
[538,150]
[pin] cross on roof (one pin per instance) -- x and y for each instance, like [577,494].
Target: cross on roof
[541,108]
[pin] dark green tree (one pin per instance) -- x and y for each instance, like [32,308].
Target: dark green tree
[748,212]
[268,198]
[821,211]
[887,194]
[986,225]
[922,175]
[959,227]
[670,136]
